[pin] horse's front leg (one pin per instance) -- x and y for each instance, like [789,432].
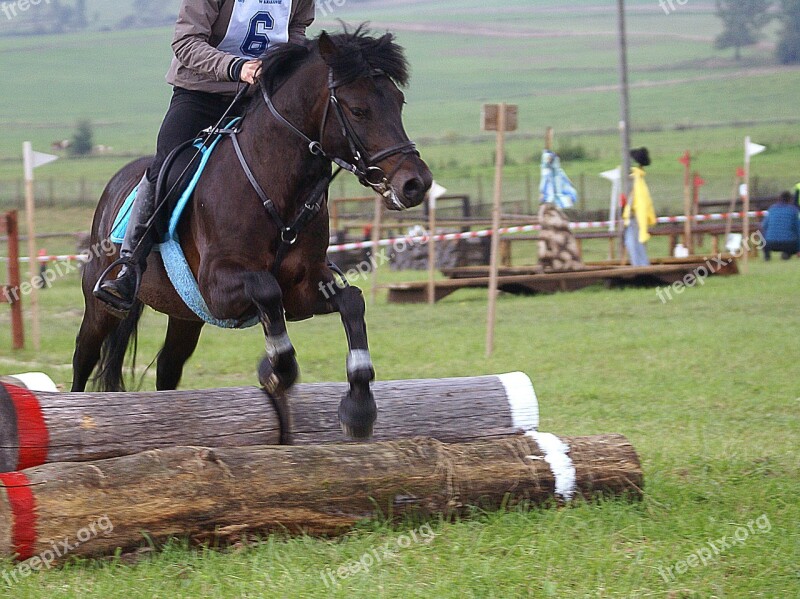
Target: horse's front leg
[278,371]
[357,410]
[231,293]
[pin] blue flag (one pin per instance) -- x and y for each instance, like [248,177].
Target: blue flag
[555,187]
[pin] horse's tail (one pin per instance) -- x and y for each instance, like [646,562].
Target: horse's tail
[112,354]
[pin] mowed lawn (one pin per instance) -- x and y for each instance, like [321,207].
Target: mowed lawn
[706,387]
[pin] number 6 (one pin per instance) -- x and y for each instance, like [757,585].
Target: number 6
[257,40]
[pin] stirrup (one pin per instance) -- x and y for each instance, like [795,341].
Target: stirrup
[115,305]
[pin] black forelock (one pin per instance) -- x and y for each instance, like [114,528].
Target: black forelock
[358,55]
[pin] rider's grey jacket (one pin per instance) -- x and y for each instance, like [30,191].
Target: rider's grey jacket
[202,25]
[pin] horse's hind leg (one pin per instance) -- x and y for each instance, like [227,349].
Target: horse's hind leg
[97,325]
[179,345]
[357,410]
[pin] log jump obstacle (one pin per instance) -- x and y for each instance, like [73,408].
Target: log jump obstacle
[220,494]
[40,427]
[10,293]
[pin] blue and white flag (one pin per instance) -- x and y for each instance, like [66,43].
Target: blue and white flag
[555,187]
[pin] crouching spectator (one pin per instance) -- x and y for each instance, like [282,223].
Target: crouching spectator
[781,228]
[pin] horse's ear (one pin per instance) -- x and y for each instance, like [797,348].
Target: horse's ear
[327,48]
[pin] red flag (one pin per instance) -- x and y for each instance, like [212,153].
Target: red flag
[699,181]
[740,172]
[686,159]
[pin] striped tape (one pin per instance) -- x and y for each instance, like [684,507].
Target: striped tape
[360,245]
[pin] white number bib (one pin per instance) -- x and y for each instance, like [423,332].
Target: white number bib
[256,26]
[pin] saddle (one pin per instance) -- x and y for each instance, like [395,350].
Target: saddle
[173,176]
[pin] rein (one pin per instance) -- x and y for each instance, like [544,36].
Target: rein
[364,166]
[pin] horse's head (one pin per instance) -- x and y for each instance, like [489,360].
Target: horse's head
[367,121]
[359,108]
[365,74]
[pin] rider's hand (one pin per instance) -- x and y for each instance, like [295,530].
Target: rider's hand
[250,71]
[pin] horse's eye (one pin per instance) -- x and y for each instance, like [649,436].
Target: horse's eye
[359,113]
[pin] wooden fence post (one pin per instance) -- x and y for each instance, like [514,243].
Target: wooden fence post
[10,222]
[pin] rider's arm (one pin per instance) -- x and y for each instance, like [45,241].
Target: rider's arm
[191,42]
[302,19]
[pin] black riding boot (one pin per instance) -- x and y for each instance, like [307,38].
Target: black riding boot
[120,293]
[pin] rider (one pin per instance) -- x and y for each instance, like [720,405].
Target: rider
[217,45]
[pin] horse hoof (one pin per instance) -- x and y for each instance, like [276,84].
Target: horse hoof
[277,383]
[357,433]
[357,418]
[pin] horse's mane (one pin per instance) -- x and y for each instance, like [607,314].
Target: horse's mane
[358,54]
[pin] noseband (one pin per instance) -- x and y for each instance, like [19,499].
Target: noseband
[363,166]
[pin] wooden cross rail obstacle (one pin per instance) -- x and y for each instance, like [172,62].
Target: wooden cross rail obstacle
[729,267]
[211,495]
[528,280]
[38,428]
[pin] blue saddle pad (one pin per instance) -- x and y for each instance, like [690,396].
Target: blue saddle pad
[172,254]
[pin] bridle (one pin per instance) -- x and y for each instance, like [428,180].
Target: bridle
[364,166]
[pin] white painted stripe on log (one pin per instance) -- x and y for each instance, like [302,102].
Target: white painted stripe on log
[556,455]
[36,381]
[521,399]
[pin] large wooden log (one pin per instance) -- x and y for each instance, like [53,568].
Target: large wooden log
[216,494]
[37,428]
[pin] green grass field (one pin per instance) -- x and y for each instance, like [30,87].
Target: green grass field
[705,387]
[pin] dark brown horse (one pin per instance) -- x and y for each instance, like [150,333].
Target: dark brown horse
[340,91]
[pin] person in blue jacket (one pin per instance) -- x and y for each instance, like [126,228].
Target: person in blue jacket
[781,228]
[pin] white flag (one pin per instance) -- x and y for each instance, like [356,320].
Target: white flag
[40,159]
[613,175]
[32,159]
[754,149]
[436,191]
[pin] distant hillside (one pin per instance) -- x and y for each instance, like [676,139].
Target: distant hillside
[557,61]
[62,16]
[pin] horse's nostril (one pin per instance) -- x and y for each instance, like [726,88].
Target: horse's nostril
[413,189]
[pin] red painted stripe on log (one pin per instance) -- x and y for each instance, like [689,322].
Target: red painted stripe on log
[34,438]
[23,508]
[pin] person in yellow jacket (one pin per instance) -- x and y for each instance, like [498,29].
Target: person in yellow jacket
[639,214]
